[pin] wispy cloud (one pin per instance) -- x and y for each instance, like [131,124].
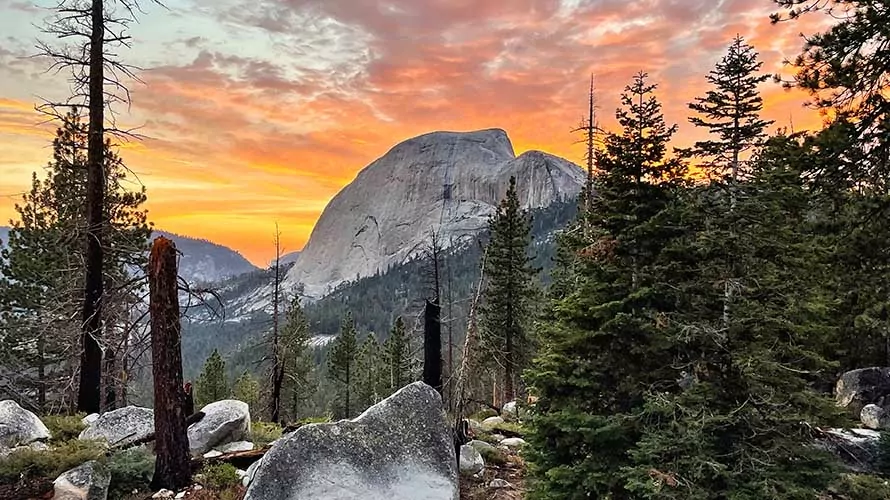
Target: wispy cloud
[260,112]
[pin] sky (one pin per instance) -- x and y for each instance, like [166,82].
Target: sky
[257,113]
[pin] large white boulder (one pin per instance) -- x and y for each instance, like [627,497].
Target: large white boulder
[19,427]
[88,481]
[224,422]
[399,449]
[122,426]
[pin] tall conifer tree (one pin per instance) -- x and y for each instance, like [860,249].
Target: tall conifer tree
[603,339]
[342,367]
[212,385]
[507,308]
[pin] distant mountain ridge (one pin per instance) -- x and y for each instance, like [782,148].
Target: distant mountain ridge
[202,261]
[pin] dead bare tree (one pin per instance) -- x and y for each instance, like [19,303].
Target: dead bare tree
[171,436]
[277,354]
[591,131]
[432,324]
[89,31]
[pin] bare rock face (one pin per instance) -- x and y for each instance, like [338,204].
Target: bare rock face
[399,449]
[448,181]
[18,426]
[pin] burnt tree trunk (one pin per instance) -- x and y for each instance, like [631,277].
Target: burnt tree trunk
[88,396]
[278,362]
[432,346]
[171,442]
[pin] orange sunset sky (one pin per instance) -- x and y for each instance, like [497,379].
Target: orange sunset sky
[257,112]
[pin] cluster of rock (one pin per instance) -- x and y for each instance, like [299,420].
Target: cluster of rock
[223,429]
[864,394]
[224,422]
[399,449]
[472,461]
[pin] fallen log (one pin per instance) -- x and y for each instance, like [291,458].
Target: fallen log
[240,459]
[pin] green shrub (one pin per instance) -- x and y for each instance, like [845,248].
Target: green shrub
[51,462]
[861,487]
[509,427]
[64,427]
[493,456]
[488,438]
[130,470]
[263,433]
[220,476]
[323,419]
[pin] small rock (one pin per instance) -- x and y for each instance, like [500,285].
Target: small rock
[224,422]
[163,494]
[510,412]
[497,438]
[480,445]
[248,477]
[89,419]
[213,454]
[471,461]
[235,447]
[122,426]
[18,426]
[181,494]
[875,417]
[241,473]
[88,481]
[513,442]
[491,422]
[198,487]
[499,483]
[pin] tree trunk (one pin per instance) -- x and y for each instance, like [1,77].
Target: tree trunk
[109,381]
[41,373]
[171,443]
[509,368]
[432,346]
[91,357]
[277,368]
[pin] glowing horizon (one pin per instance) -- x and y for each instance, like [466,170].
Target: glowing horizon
[262,114]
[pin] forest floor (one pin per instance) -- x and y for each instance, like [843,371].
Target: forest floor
[512,471]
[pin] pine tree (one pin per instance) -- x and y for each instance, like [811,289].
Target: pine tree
[845,70]
[212,385]
[748,387]
[369,373]
[730,111]
[400,368]
[507,308]
[603,338]
[41,270]
[342,367]
[298,386]
[246,388]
